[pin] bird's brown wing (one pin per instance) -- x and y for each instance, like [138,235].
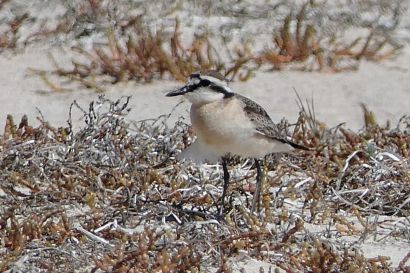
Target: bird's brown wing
[263,123]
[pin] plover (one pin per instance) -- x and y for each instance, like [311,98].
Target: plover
[228,123]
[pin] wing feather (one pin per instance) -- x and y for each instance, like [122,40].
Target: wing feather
[263,123]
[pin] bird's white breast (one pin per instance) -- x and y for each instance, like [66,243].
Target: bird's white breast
[222,126]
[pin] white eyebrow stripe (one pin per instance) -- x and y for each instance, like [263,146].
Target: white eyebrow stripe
[214,80]
[228,89]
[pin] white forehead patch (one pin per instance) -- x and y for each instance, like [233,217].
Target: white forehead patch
[214,80]
[194,80]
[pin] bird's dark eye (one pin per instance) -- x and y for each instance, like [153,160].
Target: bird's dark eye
[205,82]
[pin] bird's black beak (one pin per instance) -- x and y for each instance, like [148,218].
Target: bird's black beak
[181,91]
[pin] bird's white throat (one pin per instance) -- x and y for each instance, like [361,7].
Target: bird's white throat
[203,95]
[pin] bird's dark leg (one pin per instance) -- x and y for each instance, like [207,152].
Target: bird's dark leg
[226,183]
[257,194]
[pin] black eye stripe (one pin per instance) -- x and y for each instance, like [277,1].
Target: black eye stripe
[218,88]
[204,82]
[207,83]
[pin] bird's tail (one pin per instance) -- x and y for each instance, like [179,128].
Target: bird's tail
[292,144]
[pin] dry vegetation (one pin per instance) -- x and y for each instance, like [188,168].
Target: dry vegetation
[111,198]
[302,44]
[136,53]
[8,34]
[143,55]
[132,49]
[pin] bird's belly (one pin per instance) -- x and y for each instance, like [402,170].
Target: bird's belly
[236,141]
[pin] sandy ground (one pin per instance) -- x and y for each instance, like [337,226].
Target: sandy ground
[383,87]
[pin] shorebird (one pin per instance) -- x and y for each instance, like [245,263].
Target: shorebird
[227,123]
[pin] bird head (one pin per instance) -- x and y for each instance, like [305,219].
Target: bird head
[203,87]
